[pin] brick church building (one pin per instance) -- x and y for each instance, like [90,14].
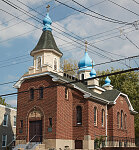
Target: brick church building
[76,115]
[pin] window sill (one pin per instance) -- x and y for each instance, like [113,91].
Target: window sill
[5,125]
[14,126]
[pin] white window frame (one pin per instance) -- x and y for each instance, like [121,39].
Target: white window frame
[37,62]
[55,60]
[95,114]
[5,140]
[14,121]
[103,117]
[6,120]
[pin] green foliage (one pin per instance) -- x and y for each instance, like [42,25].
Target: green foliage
[127,83]
[71,65]
[2,101]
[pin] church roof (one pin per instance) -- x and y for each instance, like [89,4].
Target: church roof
[46,41]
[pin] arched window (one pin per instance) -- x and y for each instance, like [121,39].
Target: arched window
[41,92]
[121,119]
[55,64]
[82,76]
[66,93]
[95,116]
[118,120]
[31,93]
[102,117]
[125,120]
[38,63]
[79,114]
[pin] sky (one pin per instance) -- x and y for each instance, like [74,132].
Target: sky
[21,28]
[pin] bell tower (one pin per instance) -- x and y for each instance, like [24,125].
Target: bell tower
[46,53]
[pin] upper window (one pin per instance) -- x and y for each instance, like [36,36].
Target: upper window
[21,123]
[38,63]
[41,92]
[66,93]
[31,93]
[121,119]
[14,120]
[118,120]
[102,117]
[5,121]
[4,140]
[82,76]
[79,114]
[50,122]
[95,116]
[125,118]
[55,64]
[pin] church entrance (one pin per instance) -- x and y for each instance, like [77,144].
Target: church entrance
[35,131]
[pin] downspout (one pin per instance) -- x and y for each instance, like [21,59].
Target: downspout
[106,124]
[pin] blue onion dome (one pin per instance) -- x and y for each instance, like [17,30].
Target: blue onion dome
[47,23]
[107,81]
[93,73]
[85,62]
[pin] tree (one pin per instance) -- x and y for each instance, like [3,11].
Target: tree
[2,101]
[127,83]
[70,67]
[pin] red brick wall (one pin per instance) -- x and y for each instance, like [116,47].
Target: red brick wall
[121,104]
[47,105]
[99,129]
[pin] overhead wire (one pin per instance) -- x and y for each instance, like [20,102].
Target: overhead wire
[124,8]
[126,58]
[127,23]
[74,81]
[135,1]
[97,12]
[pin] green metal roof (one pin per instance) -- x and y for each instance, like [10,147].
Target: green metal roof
[46,41]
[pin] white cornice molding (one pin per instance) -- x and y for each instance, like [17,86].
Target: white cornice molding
[7,107]
[97,87]
[47,50]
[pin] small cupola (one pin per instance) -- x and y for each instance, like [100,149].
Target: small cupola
[46,53]
[85,65]
[107,84]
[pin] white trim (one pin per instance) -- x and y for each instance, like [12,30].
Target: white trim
[5,140]
[39,56]
[96,87]
[47,50]
[130,105]
[7,107]
[13,122]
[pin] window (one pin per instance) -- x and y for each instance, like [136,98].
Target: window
[55,64]
[82,77]
[66,93]
[102,117]
[4,140]
[125,118]
[5,121]
[38,63]
[79,114]
[41,92]
[95,116]
[14,121]
[50,122]
[21,123]
[121,119]
[118,120]
[31,93]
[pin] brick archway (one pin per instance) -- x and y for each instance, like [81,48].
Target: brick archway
[35,125]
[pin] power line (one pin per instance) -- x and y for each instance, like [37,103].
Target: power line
[72,82]
[135,1]
[131,57]
[124,8]
[98,13]
[93,15]
[65,33]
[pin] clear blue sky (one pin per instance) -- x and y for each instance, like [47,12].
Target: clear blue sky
[18,38]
